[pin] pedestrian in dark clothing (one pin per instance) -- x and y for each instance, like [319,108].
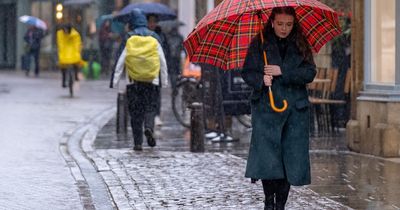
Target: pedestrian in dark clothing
[279,148]
[33,38]
[215,119]
[142,96]
[106,46]
[175,46]
[153,25]
[341,59]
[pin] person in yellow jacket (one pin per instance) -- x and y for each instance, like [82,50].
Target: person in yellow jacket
[69,47]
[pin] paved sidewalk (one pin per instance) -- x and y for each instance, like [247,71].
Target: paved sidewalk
[156,179]
[170,177]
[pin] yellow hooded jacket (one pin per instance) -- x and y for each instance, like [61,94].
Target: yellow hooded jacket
[69,47]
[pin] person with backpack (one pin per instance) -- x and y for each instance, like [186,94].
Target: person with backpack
[69,46]
[144,62]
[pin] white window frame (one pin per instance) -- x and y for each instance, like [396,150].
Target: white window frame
[377,91]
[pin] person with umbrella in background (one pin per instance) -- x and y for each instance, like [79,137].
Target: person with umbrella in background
[175,45]
[37,29]
[272,42]
[279,153]
[106,42]
[141,55]
[152,20]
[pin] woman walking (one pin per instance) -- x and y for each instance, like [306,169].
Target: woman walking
[279,149]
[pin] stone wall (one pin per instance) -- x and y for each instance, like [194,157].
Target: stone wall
[376,130]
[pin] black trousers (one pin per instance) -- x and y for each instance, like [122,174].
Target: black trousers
[35,55]
[105,60]
[142,105]
[276,193]
[64,74]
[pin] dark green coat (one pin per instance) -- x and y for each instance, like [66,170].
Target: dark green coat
[279,145]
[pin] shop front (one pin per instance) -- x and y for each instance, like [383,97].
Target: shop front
[375,125]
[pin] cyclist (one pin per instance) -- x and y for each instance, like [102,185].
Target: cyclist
[69,47]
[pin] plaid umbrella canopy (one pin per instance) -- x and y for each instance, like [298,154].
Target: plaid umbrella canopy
[223,36]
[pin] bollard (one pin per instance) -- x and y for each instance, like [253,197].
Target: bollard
[122,113]
[196,127]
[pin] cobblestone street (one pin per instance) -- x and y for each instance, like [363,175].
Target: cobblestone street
[157,179]
[169,176]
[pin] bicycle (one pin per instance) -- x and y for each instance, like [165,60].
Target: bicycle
[184,94]
[70,74]
[188,91]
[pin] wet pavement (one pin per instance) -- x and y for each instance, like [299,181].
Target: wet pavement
[39,122]
[169,176]
[37,117]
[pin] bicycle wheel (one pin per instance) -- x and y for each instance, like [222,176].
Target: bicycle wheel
[245,120]
[183,96]
[71,77]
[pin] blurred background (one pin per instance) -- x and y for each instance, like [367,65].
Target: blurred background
[86,17]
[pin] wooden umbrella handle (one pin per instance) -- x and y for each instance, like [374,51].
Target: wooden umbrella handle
[271,96]
[272,102]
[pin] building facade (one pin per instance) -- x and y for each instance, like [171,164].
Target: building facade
[11,33]
[12,30]
[374,127]
[82,16]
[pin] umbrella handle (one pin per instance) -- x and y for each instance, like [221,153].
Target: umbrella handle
[272,102]
[271,97]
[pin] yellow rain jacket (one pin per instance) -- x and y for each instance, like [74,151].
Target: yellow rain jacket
[69,47]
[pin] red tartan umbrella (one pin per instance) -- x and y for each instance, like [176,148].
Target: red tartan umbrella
[222,37]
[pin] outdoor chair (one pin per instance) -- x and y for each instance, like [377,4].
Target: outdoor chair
[323,117]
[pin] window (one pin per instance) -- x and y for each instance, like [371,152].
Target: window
[383,42]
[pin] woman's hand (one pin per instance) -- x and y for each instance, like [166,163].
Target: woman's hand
[268,80]
[272,70]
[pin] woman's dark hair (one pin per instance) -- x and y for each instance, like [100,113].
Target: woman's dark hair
[295,35]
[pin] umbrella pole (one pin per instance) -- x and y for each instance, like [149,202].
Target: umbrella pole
[271,96]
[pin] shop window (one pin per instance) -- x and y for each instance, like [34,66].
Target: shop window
[383,42]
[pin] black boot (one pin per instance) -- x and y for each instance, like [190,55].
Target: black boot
[269,202]
[282,193]
[269,191]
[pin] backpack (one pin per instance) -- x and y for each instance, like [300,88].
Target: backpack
[142,59]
